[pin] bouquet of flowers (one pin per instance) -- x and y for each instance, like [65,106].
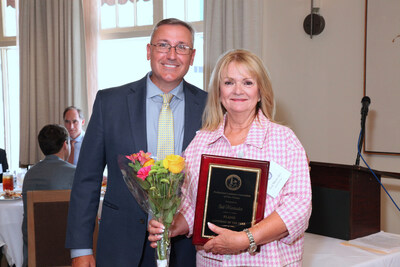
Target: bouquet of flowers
[156,186]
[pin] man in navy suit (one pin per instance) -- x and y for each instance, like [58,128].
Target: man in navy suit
[125,121]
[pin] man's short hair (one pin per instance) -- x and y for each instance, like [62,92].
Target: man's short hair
[173,21]
[51,138]
[74,108]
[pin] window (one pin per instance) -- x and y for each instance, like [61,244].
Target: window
[126,14]
[9,82]
[125,29]
[126,26]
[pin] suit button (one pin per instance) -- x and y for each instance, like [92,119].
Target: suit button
[141,221]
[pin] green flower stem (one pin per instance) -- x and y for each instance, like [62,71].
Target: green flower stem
[163,246]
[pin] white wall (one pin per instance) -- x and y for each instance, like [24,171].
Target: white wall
[318,84]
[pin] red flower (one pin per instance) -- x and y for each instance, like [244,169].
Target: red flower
[144,172]
[131,157]
[141,157]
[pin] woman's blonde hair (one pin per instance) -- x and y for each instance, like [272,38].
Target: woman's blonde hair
[214,111]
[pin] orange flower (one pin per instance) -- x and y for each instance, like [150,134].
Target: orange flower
[149,162]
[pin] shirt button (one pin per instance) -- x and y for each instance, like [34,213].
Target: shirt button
[141,221]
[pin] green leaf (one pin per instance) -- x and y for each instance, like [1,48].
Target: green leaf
[150,178]
[167,204]
[169,217]
[153,207]
[136,166]
[144,184]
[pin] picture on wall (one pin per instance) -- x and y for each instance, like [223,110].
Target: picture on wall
[382,76]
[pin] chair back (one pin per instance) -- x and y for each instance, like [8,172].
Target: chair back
[47,212]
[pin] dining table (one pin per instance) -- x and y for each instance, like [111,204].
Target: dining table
[332,252]
[11,216]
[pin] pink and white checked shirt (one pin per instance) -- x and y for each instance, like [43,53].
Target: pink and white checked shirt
[265,141]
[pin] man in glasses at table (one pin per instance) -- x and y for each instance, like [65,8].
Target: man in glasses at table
[125,121]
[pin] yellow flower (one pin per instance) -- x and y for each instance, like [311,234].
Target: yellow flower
[148,163]
[174,163]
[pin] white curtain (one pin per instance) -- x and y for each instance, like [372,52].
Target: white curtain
[230,24]
[91,12]
[52,67]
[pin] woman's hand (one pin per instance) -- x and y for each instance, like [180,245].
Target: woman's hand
[226,241]
[231,242]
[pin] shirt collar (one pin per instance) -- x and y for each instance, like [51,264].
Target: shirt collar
[52,157]
[80,137]
[257,134]
[153,90]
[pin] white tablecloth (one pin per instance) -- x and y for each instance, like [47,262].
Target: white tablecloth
[328,252]
[11,212]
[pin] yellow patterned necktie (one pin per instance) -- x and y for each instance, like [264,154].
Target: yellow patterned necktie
[165,141]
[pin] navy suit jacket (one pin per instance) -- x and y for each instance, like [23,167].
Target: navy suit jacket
[118,127]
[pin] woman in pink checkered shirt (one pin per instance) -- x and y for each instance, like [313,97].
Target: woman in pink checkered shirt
[238,122]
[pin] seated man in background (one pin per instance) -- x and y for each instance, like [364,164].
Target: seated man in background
[73,121]
[52,173]
[3,162]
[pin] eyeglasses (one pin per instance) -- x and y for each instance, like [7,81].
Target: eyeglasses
[166,47]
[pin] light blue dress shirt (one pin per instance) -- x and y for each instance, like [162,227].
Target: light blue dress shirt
[153,107]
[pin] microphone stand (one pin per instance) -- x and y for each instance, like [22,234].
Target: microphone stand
[361,139]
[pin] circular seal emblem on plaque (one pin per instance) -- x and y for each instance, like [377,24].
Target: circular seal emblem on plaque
[233,182]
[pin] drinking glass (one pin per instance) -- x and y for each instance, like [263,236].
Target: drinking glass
[8,181]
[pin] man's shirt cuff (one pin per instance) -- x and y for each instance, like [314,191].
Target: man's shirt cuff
[78,252]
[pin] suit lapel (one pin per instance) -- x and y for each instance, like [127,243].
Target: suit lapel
[193,113]
[136,101]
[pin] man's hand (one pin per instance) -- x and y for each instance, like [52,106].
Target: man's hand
[84,261]
[179,226]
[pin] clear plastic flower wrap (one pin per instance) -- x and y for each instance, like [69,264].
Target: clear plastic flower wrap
[156,186]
